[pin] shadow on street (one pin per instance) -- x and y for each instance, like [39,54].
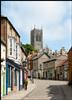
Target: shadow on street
[59,92]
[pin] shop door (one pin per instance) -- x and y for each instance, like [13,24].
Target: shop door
[4,91]
[11,79]
[1,83]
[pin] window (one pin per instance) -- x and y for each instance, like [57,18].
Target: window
[10,46]
[16,51]
[38,37]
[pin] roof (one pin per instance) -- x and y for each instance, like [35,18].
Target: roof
[70,49]
[23,50]
[62,57]
[3,42]
[60,62]
[49,60]
[38,56]
[10,24]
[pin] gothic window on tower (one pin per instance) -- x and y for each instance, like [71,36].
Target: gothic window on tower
[37,37]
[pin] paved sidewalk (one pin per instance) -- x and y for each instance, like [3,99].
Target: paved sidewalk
[50,90]
[19,95]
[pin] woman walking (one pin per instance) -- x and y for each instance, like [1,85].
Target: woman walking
[26,79]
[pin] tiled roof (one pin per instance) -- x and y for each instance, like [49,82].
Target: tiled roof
[23,51]
[60,62]
[61,57]
[38,56]
[49,60]
[70,49]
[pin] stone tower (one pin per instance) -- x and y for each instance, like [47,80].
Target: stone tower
[37,38]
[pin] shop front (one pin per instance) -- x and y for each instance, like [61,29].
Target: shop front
[12,76]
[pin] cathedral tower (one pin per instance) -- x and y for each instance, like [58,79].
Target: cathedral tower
[37,38]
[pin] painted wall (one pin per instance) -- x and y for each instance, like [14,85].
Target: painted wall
[3,70]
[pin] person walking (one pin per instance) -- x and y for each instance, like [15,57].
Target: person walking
[26,79]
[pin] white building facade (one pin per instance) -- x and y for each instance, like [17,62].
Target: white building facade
[3,69]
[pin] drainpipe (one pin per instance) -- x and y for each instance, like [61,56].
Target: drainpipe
[6,78]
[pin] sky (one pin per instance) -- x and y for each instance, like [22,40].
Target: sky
[53,17]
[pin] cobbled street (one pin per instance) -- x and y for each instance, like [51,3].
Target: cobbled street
[50,90]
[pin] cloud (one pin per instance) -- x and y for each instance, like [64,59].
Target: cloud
[53,16]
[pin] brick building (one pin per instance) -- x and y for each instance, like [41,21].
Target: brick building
[70,65]
[3,65]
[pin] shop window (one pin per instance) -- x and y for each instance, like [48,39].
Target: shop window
[9,77]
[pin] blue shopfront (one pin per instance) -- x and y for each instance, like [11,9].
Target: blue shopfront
[12,76]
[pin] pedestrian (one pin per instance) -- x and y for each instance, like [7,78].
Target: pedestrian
[26,84]
[26,79]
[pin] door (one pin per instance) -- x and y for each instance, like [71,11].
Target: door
[46,75]
[17,80]
[1,83]
[39,75]
[12,79]
[4,91]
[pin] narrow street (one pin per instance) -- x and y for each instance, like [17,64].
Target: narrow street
[50,90]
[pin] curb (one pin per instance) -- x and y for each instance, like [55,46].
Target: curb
[28,93]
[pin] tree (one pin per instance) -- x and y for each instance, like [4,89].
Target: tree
[28,48]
